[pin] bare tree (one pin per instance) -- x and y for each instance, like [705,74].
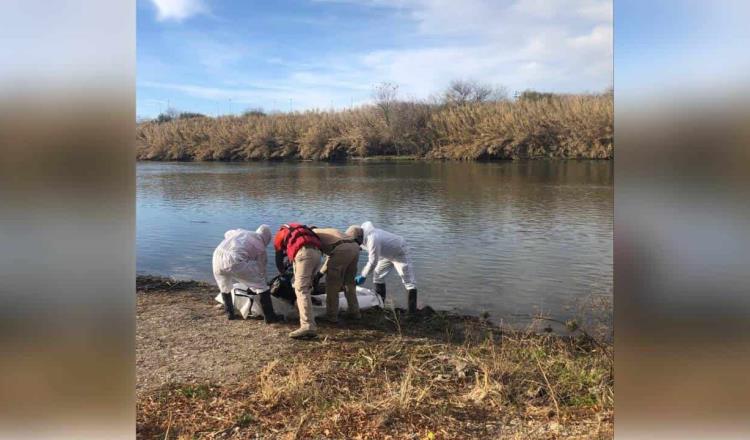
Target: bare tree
[169,115]
[385,98]
[466,91]
[254,111]
[533,95]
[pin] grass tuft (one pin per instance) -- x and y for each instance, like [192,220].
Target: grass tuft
[439,377]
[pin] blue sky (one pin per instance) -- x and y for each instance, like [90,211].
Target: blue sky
[218,56]
[671,48]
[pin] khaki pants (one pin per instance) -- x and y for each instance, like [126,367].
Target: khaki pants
[306,265]
[342,268]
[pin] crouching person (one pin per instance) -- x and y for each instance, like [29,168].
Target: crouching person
[301,247]
[385,250]
[340,268]
[241,257]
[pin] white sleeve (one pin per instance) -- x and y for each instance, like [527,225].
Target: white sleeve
[373,255]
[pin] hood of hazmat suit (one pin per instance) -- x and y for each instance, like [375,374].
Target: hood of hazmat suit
[380,244]
[265,233]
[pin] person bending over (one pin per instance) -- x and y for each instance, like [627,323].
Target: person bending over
[340,268]
[385,250]
[241,257]
[299,244]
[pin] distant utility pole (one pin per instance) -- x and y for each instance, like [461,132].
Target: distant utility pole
[290,105]
[230,106]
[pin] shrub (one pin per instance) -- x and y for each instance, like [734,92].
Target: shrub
[536,125]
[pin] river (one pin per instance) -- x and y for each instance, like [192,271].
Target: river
[508,238]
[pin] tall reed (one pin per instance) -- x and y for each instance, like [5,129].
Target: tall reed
[557,126]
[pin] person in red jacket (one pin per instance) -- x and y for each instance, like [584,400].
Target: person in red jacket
[299,245]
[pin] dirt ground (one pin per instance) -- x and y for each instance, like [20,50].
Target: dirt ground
[183,338]
[441,377]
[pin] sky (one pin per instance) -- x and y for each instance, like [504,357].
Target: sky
[674,48]
[220,57]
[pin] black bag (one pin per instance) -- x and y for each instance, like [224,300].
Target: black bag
[281,287]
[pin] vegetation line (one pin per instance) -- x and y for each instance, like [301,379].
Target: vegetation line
[469,122]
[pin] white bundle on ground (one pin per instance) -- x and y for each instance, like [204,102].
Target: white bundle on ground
[247,302]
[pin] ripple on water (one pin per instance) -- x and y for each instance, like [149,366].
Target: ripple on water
[506,238]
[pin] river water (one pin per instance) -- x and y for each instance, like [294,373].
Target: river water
[508,239]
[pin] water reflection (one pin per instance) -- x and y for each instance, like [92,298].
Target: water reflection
[506,238]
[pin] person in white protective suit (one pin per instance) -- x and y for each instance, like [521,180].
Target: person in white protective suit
[242,258]
[385,250]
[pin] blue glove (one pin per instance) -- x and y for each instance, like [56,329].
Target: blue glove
[359,279]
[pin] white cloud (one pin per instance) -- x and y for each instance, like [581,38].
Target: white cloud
[270,96]
[600,38]
[563,45]
[551,45]
[178,10]
[597,10]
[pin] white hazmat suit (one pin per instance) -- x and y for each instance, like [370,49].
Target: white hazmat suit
[386,250]
[241,258]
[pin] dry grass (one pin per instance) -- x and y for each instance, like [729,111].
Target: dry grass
[578,126]
[443,377]
[564,127]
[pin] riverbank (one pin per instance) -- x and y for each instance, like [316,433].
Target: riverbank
[441,376]
[555,126]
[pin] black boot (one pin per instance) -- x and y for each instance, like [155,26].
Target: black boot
[228,305]
[412,301]
[267,305]
[380,290]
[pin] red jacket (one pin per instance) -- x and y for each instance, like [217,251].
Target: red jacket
[291,238]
